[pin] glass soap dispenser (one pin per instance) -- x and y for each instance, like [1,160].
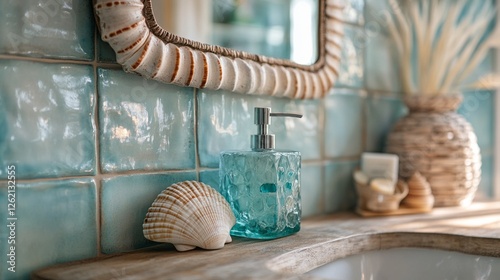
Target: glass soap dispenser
[263,185]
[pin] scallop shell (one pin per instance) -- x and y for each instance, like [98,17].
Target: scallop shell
[189,214]
[142,47]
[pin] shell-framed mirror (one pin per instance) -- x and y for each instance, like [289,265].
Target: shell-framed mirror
[142,46]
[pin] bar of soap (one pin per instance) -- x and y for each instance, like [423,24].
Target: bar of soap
[383,186]
[375,165]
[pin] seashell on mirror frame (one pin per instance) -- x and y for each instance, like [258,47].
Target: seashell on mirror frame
[144,48]
[189,214]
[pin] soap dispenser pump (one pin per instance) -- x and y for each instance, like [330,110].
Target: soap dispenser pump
[263,185]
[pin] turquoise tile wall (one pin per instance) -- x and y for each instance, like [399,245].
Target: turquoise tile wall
[225,122]
[340,194]
[52,28]
[478,108]
[382,113]
[56,222]
[344,123]
[144,125]
[35,99]
[93,145]
[124,203]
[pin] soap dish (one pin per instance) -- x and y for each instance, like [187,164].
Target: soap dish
[371,200]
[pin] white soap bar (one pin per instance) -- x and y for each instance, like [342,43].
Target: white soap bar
[383,186]
[376,165]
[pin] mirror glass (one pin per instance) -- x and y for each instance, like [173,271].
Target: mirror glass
[285,29]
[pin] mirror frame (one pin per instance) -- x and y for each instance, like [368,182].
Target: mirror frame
[143,47]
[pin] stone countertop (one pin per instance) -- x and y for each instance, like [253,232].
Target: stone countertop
[475,229]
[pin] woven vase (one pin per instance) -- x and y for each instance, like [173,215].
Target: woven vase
[439,143]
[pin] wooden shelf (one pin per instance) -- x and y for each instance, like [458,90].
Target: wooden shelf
[403,210]
[473,229]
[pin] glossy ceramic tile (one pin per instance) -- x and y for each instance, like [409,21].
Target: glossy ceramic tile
[211,178]
[478,107]
[125,200]
[225,122]
[104,51]
[47,119]
[351,63]
[340,193]
[375,10]
[353,11]
[344,124]
[303,135]
[381,68]
[144,125]
[56,222]
[486,186]
[381,114]
[51,28]
[311,189]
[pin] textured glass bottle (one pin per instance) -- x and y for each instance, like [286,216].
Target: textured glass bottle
[263,185]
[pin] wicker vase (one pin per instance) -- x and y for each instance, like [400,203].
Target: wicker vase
[439,143]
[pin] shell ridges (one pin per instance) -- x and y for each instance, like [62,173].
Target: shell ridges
[189,214]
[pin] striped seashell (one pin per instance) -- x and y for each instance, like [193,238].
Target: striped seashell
[143,47]
[189,214]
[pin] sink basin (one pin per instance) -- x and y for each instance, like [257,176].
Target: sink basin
[410,263]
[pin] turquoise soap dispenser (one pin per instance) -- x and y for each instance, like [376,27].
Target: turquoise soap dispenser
[263,185]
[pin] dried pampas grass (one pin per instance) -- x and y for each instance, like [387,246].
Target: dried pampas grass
[440,42]
[490,81]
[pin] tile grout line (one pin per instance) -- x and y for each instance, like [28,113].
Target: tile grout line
[195,134]
[61,61]
[371,92]
[322,135]
[97,152]
[171,171]
[365,49]
[496,149]
[496,156]
[354,24]
[364,124]
[100,176]
[322,125]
